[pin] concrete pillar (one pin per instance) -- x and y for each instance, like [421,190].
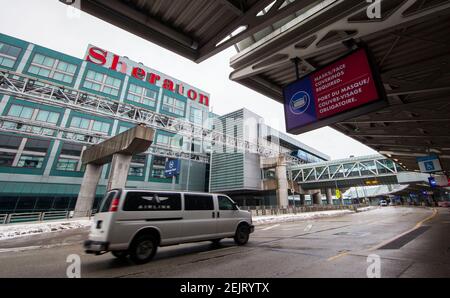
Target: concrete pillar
[87,191]
[118,174]
[282,188]
[302,200]
[329,196]
[317,198]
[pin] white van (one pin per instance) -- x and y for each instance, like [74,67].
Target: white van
[135,222]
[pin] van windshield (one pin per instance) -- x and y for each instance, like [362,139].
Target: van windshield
[106,201]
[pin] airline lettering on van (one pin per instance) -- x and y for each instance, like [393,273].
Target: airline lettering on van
[100,57]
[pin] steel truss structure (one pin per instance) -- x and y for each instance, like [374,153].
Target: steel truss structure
[43,92]
[371,166]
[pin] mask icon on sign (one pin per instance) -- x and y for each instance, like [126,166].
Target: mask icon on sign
[301,102]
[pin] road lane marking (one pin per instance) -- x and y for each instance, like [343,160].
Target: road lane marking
[338,256]
[269,228]
[418,225]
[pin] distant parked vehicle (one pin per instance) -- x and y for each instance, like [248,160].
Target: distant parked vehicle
[383,203]
[444,204]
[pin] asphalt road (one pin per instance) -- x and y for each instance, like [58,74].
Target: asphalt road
[410,242]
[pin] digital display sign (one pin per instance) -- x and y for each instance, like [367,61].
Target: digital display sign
[343,89]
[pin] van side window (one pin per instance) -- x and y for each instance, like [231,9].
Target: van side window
[150,201]
[198,202]
[225,203]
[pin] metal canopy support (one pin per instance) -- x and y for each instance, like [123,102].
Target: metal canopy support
[362,28]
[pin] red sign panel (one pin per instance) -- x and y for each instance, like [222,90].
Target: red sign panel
[327,95]
[344,85]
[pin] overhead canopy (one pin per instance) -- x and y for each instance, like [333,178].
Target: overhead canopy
[411,45]
[195,29]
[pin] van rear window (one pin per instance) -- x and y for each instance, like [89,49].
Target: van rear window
[106,201]
[152,201]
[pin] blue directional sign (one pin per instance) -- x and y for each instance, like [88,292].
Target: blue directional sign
[172,168]
[429,164]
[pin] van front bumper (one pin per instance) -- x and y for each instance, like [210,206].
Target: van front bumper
[95,247]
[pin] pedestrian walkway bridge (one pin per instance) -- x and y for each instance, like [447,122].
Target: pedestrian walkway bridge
[354,171]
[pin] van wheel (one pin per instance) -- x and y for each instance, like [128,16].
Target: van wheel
[242,235]
[143,249]
[120,254]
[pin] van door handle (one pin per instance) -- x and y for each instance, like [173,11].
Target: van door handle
[218,214]
[213,215]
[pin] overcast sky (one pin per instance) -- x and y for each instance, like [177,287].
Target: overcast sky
[49,23]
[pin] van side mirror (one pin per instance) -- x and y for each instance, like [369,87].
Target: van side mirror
[235,206]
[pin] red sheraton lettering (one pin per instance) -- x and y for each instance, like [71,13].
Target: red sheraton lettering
[99,56]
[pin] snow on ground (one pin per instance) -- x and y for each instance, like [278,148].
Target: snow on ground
[268,219]
[367,208]
[28,229]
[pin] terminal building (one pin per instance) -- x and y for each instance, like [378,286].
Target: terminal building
[53,106]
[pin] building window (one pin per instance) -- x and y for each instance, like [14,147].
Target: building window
[8,54]
[173,105]
[36,145]
[168,141]
[102,83]
[79,122]
[69,158]
[6,159]
[46,116]
[159,163]
[137,165]
[52,68]
[142,95]
[28,113]
[123,128]
[67,164]
[137,171]
[20,111]
[30,162]
[158,173]
[100,126]
[196,116]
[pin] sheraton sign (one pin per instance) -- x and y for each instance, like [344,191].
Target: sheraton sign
[139,71]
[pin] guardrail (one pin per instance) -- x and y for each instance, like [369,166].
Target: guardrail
[268,210]
[38,216]
[3,218]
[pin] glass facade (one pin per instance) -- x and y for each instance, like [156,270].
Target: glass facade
[100,82]
[142,95]
[52,68]
[8,54]
[173,105]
